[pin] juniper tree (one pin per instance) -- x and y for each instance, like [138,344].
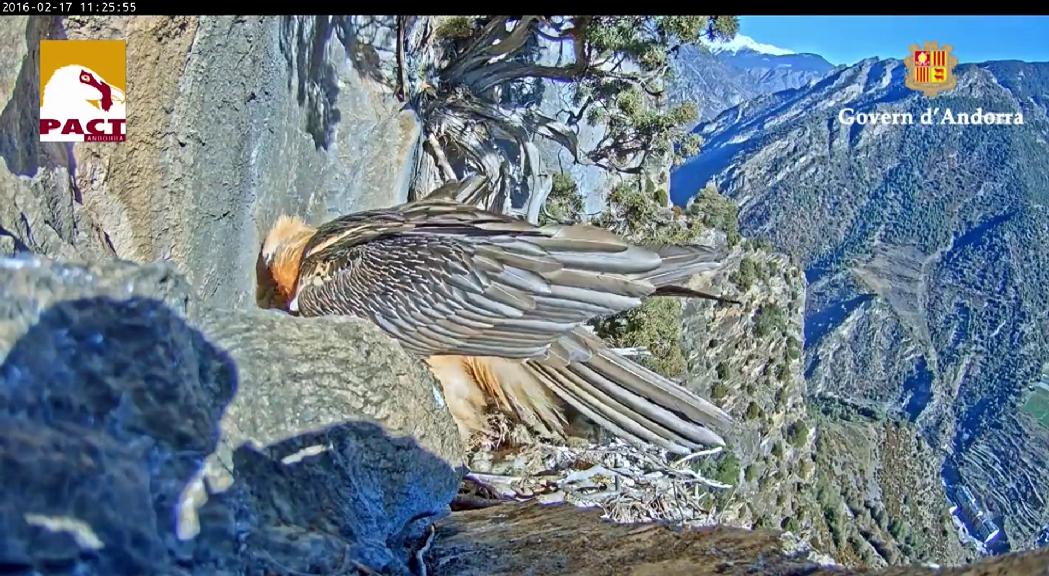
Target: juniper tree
[475,81]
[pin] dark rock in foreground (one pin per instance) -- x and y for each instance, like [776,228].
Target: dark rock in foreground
[108,408]
[111,403]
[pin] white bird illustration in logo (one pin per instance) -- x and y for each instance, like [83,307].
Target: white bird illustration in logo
[76,91]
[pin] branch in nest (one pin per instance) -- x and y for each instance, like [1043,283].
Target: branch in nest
[633,352]
[694,455]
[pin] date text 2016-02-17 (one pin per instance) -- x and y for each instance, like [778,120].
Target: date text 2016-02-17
[47,8]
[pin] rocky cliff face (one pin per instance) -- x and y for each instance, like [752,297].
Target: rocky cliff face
[746,358]
[231,122]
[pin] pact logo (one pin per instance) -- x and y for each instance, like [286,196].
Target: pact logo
[82,86]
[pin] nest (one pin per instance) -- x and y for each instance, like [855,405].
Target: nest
[629,483]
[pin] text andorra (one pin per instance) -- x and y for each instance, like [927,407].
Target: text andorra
[95,130]
[933,115]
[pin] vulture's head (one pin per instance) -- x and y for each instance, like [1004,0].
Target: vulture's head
[277,267]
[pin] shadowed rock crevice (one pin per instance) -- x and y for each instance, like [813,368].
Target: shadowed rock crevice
[20,144]
[303,41]
[344,497]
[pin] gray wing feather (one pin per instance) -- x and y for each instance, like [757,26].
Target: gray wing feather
[508,289]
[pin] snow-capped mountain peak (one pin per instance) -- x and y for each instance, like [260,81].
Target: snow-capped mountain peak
[744,42]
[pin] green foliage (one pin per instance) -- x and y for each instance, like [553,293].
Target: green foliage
[718,391]
[688,147]
[747,273]
[807,468]
[798,434]
[832,505]
[638,124]
[564,204]
[455,27]
[777,449]
[647,38]
[771,319]
[638,211]
[753,411]
[727,471]
[655,325]
[725,370]
[716,211]
[897,528]
[793,348]
[1037,406]
[628,211]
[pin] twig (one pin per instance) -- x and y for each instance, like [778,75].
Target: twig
[483,478]
[633,351]
[694,455]
[422,551]
[696,477]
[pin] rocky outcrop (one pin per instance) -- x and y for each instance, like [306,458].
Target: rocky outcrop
[137,440]
[107,408]
[746,359]
[560,539]
[29,286]
[297,375]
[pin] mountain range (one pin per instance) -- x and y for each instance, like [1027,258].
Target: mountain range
[924,247]
[716,77]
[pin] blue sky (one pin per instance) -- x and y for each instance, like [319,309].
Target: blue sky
[847,39]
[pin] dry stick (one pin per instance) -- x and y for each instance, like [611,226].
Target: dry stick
[694,455]
[422,551]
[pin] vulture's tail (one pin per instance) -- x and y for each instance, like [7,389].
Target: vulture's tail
[634,402]
[679,264]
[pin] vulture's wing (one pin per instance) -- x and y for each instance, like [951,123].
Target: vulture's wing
[446,278]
